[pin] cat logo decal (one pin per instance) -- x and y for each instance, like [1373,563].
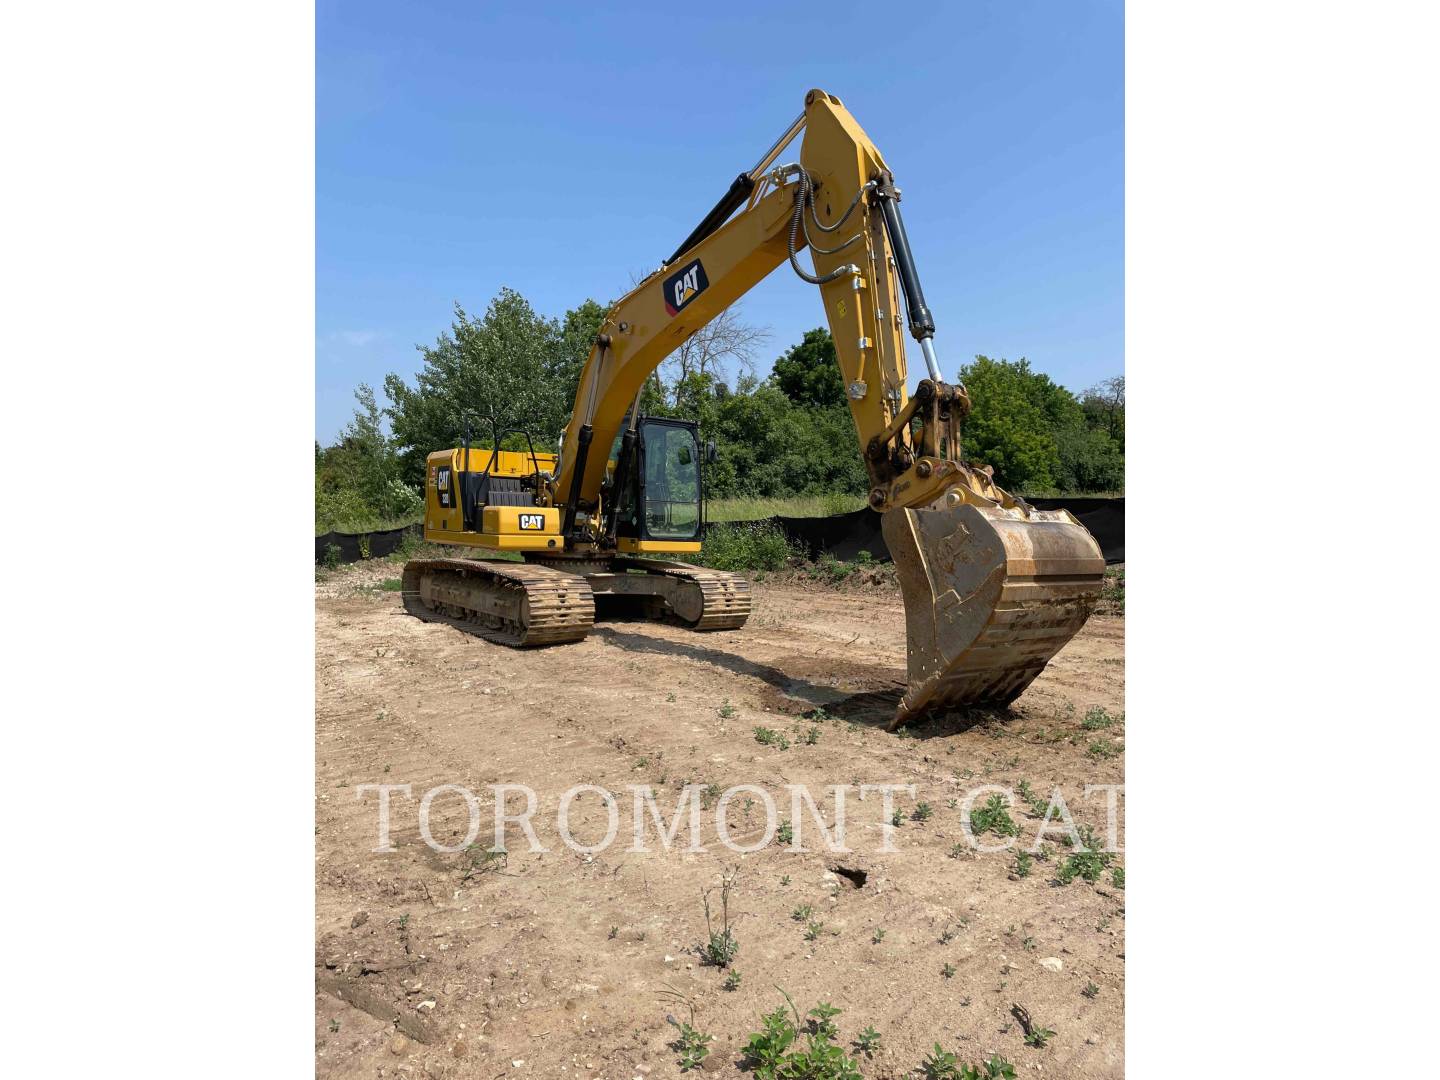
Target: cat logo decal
[684,285]
[532,522]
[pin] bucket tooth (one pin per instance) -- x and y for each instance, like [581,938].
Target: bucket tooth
[991,594]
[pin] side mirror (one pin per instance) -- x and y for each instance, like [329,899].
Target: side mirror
[711,453]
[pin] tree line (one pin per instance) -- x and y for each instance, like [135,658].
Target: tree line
[783,434]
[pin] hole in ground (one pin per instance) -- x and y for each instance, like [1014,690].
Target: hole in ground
[855,876]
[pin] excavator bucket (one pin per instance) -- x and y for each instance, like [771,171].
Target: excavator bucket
[991,594]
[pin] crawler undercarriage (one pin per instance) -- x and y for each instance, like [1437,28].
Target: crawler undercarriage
[549,602]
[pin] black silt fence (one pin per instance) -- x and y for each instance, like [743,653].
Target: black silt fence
[384,542]
[844,536]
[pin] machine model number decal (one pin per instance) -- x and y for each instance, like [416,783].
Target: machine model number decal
[442,486]
[684,285]
[532,521]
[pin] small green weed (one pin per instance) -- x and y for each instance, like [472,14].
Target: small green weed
[775,1053]
[993,817]
[721,947]
[692,1045]
[1089,862]
[868,1041]
[1098,718]
[1038,806]
[822,1023]
[1038,1037]
[1102,749]
[941,1064]
[477,861]
[1035,1035]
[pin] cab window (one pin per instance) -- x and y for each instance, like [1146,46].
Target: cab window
[672,482]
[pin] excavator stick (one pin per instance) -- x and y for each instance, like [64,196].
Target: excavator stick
[991,594]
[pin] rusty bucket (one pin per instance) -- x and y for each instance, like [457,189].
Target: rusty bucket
[991,594]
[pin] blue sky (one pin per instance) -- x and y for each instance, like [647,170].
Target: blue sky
[562,148]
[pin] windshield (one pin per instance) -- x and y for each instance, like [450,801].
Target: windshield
[672,482]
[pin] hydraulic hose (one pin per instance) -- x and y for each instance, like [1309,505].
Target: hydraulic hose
[803,195]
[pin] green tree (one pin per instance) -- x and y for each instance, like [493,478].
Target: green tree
[358,482]
[510,368]
[1012,424]
[770,446]
[1104,405]
[808,373]
[1088,460]
[1092,448]
[726,339]
[1038,435]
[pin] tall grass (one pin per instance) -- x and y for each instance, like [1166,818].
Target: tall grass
[761,546]
[747,509]
[362,523]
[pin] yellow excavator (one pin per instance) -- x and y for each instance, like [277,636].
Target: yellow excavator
[993,588]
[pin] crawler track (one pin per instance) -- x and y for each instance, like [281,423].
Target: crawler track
[509,603]
[723,598]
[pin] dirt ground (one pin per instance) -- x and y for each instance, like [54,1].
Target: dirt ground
[564,964]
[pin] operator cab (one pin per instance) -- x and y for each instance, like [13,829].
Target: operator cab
[659,502]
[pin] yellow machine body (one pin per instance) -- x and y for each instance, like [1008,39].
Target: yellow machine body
[500,528]
[510,528]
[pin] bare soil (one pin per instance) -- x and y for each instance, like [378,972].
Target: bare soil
[563,964]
